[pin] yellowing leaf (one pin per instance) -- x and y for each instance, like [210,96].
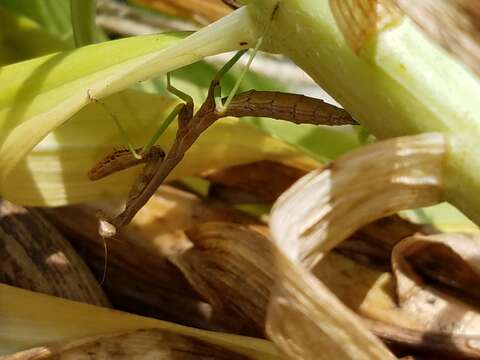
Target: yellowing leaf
[27,321]
[38,95]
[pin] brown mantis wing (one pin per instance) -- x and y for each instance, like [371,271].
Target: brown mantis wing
[296,108]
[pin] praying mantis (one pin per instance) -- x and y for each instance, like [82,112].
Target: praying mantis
[278,105]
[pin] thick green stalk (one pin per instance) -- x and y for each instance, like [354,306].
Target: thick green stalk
[400,84]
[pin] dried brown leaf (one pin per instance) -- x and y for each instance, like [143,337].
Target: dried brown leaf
[372,244]
[159,227]
[137,257]
[437,311]
[136,280]
[231,267]
[234,269]
[305,319]
[262,181]
[35,256]
[369,183]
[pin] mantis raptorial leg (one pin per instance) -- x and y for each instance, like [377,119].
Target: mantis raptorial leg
[150,154]
[123,159]
[186,107]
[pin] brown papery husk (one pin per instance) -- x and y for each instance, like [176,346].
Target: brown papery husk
[231,266]
[262,181]
[436,310]
[136,280]
[35,256]
[321,210]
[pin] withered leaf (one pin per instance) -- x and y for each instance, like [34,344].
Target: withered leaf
[35,256]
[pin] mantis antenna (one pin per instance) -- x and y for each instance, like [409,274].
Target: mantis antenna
[117,122]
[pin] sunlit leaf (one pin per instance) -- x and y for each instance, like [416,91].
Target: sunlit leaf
[37,96]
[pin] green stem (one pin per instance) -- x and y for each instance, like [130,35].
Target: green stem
[400,83]
[83,21]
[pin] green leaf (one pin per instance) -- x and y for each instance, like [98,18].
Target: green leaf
[38,95]
[53,15]
[21,38]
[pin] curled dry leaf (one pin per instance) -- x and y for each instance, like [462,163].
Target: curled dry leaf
[231,267]
[35,256]
[454,24]
[374,181]
[438,311]
[138,344]
[305,319]
[442,261]
[359,20]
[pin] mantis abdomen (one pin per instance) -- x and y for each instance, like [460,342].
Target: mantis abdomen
[296,108]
